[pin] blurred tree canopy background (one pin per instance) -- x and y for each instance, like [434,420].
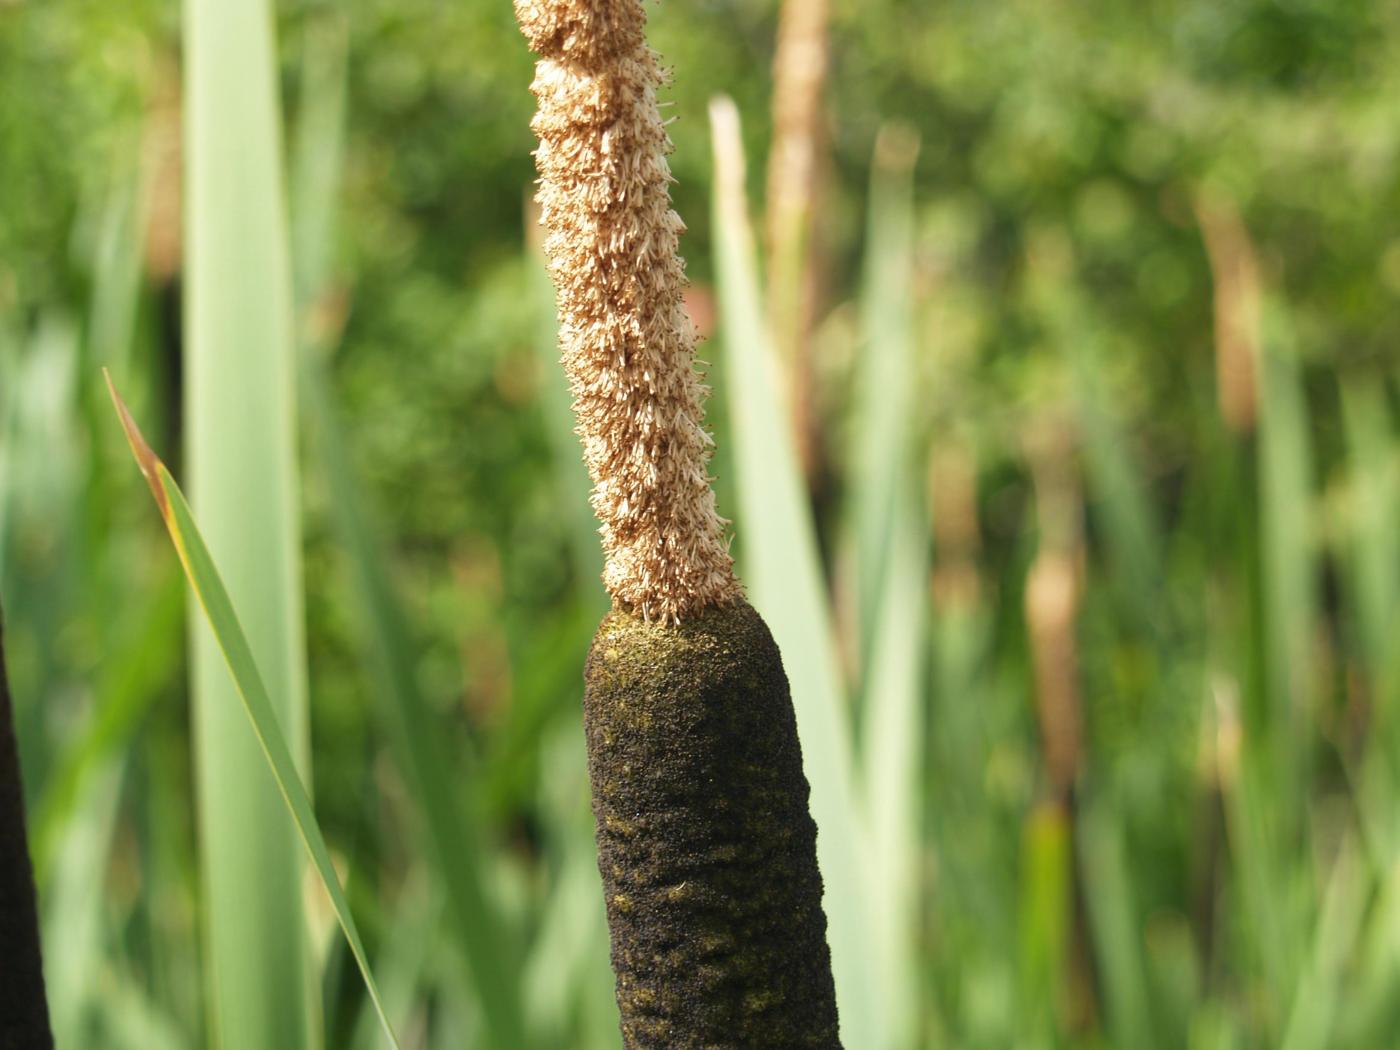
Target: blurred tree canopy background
[1155,278]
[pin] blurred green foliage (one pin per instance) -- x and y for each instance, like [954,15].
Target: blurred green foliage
[1220,872]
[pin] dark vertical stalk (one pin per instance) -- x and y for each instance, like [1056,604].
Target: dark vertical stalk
[24,1014]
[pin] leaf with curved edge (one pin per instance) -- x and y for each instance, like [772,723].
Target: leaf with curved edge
[223,621]
[783,573]
[890,532]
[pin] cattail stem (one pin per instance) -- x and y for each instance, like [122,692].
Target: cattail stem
[1235,279]
[1052,604]
[795,165]
[24,1015]
[706,845]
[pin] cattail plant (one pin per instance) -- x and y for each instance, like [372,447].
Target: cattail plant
[706,846]
[1052,603]
[795,164]
[1235,279]
[24,1015]
[1052,599]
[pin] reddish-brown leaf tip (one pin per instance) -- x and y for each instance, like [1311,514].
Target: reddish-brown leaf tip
[147,460]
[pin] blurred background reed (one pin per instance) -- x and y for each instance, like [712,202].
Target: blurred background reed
[1054,357]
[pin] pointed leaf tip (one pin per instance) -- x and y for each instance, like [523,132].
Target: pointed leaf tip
[146,459]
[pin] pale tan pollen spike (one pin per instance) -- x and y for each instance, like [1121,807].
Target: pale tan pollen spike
[626,343]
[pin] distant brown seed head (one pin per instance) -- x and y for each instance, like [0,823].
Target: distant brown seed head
[627,344]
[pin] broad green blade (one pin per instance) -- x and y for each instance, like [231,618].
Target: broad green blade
[1045,915]
[783,574]
[1289,567]
[240,665]
[130,1020]
[1375,1007]
[892,548]
[74,904]
[894,754]
[1251,825]
[884,378]
[1373,557]
[1113,918]
[240,415]
[1315,1004]
[1214,1029]
[318,156]
[1371,560]
[7,420]
[116,264]
[1174,975]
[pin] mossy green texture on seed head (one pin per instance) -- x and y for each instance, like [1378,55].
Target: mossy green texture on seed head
[705,843]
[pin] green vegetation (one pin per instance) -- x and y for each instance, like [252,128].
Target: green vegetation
[240,424]
[233,646]
[1086,617]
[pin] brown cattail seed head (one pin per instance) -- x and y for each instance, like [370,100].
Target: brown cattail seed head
[627,344]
